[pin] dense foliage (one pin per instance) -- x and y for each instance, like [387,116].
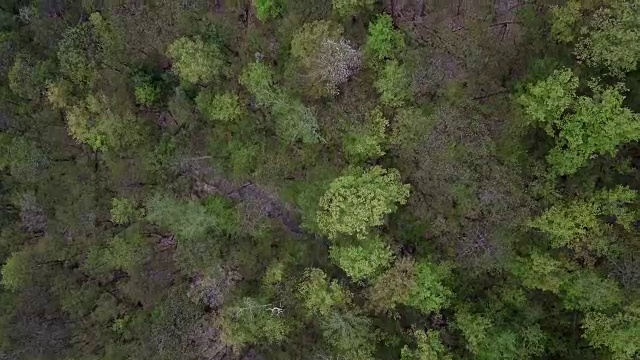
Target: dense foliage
[319,179]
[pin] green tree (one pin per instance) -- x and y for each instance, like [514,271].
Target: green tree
[123,211]
[320,296]
[359,201]
[328,59]
[610,38]
[344,8]
[384,42]
[259,80]
[394,85]
[350,335]
[19,270]
[191,220]
[104,124]
[146,91]
[430,293]
[196,61]
[267,9]
[367,141]
[253,321]
[27,77]
[224,107]
[586,291]
[429,347]
[579,224]
[581,126]
[487,341]
[618,333]
[363,260]
[393,287]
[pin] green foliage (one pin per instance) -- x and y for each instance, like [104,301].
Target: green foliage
[384,42]
[344,8]
[359,200]
[565,19]
[586,291]
[367,141]
[363,260]
[320,296]
[595,125]
[252,321]
[394,85]
[294,121]
[393,287]
[196,61]
[327,58]
[224,107]
[429,347]
[192,220]
[79,54]
[541,271]
[618,333]
[258,78]
[487,341]
[123,211]
[27,77]
[127,252]
[350,335]
[579,224]
[611,39]
[22,157]
[267,9]
[102,124]
[18,270]
[145,90]
[430,293]
[409,126]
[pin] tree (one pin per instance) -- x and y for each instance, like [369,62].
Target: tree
[393,287]
[191,220]
[541,271]
[363,260]
[487,341]
[80,55]
[253,321]
[146,91]
[320,296]
[586,291]
[367,141]
[383,42]
[293,120]
[344,8]
[429,347]
[196,61]
[430,293]
[578,224]
[123,211]
[267,9]
[258,78]
[223,107]
[618,333]
[27,77]
[350,335]
[359,200]
[581,126]
[328,59]
[19,270]
[607,36]
[394,85]
[104,124]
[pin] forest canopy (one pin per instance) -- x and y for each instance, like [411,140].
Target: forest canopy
[319,179]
